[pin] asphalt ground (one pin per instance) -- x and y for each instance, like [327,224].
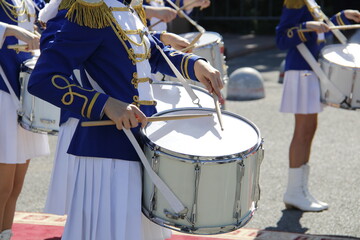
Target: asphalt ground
[335,167]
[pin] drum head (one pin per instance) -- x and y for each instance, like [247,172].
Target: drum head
[347,55]
[203,136]
[206,39]
[169,95]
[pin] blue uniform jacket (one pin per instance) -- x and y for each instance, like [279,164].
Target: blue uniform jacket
[105,59]
[10,61]
[295,14]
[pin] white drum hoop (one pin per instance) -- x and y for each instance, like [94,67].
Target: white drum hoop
[350,87]
[251,157]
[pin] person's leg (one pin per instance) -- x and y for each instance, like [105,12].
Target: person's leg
[300,147]
[297,194]
[7,175]
[18,181]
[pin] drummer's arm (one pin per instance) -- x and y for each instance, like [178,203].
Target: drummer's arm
[287,31]
[51,81]
[184,62]
[190,66]
[20,33]
[345,17]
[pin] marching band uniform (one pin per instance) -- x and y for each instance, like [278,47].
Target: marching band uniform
[110,40]
[62,177]
[17,145]
[16,148]
[301,91]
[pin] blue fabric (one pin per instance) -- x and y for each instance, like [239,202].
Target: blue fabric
[107,62]
[10,61]
[288,37]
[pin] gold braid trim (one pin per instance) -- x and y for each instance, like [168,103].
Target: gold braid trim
[141,12]
[93,15]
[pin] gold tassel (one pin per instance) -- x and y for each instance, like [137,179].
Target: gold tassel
[66,4]
[141,12]
[294,4]
[93,15]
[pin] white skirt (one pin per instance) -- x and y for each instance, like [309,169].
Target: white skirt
[106,203]
[301,93]
[62,178]
[17,144]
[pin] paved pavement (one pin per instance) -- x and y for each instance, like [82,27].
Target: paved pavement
[334,159]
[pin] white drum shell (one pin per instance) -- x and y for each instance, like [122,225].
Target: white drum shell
[345,78]
[227,190]
[36,114]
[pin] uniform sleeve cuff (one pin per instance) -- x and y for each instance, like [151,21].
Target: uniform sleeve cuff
[341,19]
[190,71]
[96,106]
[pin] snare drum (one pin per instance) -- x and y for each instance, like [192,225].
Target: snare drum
[214,173]
[169,95]
[341,64]
[211,47]
[36,114]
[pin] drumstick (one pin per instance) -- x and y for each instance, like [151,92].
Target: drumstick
[19,47]
[192,44]
[149,119]
[177,12]
[198,27]
[344,27]
[151,26]
[218,111]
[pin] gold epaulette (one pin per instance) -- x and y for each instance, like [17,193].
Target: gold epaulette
[89,13]
[294,4]
[141,12]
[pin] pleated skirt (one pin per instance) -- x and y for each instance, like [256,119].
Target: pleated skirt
[17,144]
[301,93]
[62,178]
[106,203]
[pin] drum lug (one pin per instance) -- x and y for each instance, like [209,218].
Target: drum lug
[155,166]
[239,174]
[176,216]
[196,193]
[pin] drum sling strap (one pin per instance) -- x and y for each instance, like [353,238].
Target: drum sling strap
[12,93]
[189,90]
[339,96]
[176,205]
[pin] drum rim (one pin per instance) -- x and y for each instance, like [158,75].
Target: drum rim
[322,58]
[220,39]
[205,159]
[216,230]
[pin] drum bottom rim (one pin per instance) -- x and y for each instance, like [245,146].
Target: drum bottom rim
[38,130]
[216,230]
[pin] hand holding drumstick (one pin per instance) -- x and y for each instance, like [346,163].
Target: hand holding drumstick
[210,77]
[32,40]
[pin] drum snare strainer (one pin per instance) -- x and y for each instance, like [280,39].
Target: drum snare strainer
[214,173]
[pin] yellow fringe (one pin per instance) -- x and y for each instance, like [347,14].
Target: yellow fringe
[93,15]
[294,4]
[141,12]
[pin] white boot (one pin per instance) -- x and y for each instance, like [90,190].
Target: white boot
[306,169]
[296,195]
[6,234]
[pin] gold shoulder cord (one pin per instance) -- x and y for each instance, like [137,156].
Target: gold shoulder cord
[13,12]
[99,15]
